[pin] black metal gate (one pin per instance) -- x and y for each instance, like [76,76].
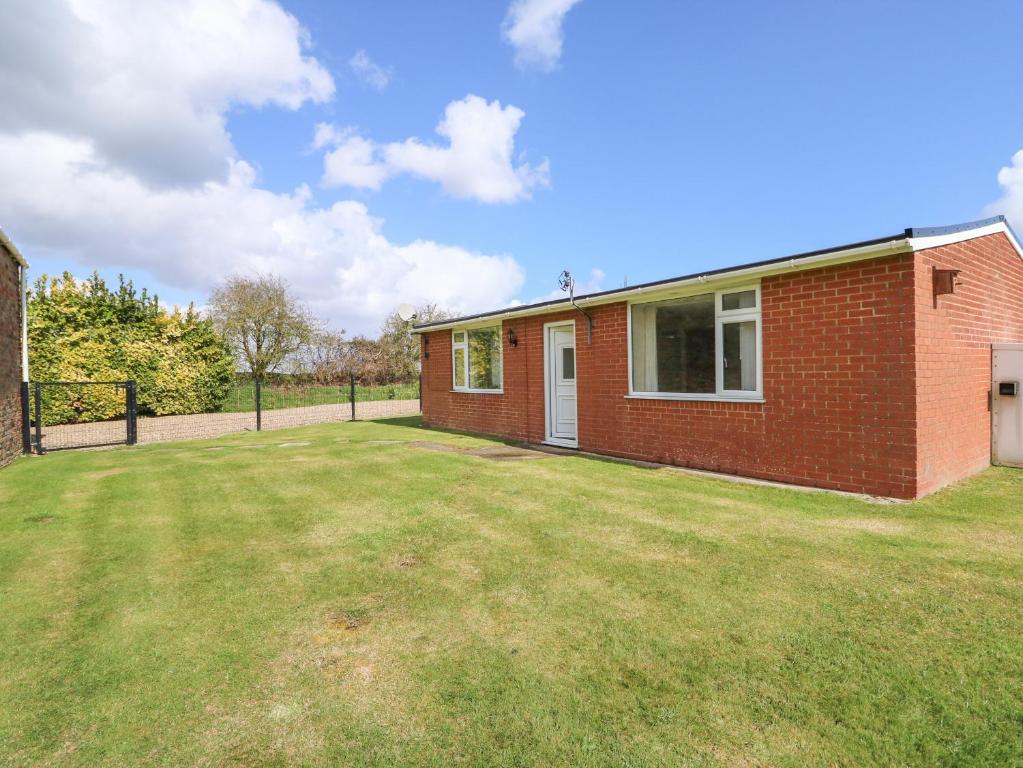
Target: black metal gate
[82,414]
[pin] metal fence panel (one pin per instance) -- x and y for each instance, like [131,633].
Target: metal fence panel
[81,414]
[283,401]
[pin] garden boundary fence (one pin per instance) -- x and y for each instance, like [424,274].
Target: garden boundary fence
[87,414]
[81,414]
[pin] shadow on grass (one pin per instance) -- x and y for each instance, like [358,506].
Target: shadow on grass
[416,422]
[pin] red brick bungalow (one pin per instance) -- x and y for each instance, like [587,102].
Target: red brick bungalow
[13,357]
[865,367]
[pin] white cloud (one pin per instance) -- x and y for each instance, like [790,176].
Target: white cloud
[1010,179]
[369,71]
[476,163]
[353,160]
[114,152]
[533,28]
[150,83]
[67,201]
[327,134]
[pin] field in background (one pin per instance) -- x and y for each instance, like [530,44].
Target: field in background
[383,595]
[242,397]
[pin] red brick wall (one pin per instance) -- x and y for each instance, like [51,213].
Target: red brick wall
[517,413]
[10,359]
[838,410]
[838,388]
[954,353]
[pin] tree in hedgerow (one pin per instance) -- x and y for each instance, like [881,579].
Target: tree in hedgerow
[264,323]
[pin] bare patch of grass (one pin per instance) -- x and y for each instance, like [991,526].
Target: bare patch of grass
[346,622]
[44,519]
[506,453]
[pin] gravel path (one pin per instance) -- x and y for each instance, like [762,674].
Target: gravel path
[156,429]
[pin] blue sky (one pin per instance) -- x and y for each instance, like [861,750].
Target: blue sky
[676,136]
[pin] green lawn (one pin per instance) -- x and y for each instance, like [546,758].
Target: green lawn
[242,397]
[313,597]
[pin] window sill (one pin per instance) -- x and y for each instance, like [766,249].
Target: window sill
[477,391]
[694,398]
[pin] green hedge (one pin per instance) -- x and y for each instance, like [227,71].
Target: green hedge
[83,331]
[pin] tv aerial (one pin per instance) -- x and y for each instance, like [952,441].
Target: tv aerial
[567,284]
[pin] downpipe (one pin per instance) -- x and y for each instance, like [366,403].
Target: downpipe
[26,429]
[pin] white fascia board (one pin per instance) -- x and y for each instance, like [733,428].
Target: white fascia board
[745,274]
[496,317]
[936,241]
[710,282]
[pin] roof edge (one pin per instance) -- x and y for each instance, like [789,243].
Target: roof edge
[955,228]
[923,238]
[866,249]
[910,239]
[12,249]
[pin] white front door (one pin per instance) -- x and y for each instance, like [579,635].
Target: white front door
[1007,405]
[560,368]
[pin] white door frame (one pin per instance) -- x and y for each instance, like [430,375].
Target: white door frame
[1008,347]
[547,374]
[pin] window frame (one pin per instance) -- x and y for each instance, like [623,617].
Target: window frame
[563,377]
[722,317]
[455,346]
[464,344]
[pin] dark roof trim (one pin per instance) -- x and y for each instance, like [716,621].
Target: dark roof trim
[909,232]
[502,311]
[666,281]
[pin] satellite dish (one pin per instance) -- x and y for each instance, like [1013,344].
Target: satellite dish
[406,312]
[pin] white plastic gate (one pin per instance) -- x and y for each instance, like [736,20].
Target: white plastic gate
[1007,405]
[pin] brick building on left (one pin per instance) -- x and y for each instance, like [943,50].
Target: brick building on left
[13,353]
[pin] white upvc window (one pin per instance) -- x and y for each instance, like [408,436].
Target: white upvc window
[477,359]
[459,358]
[705,346]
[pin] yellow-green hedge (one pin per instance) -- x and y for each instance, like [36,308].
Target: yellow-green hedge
[83,331]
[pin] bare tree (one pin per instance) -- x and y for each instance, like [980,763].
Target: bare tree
[333,359]
[399,347]
[367,359]
[261,319]
[327,358]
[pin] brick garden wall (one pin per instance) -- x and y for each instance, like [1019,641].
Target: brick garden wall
[839,408]
[953,366]
[10,359]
